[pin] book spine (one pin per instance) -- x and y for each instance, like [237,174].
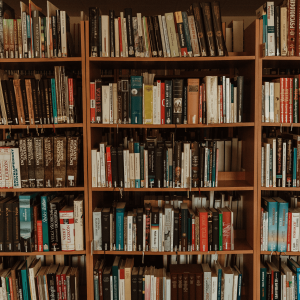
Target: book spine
[291,45]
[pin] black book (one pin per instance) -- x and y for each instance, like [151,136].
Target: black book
[159,176]
[215,229]
[114,166]
[13,103]
[38,143]
[47,103]
[210,229]
[51,281]
[154,222]
[240,97]
[177,100]
[177,159]
[165,166]
[277,29]
[43,101]
[7,102]
[19,280]
[30,162]
[151,163]
[120,167]
[54,35]
[36,33]
[141,280]
[289,163]
[269,284]
[184,104]
[210,165]
[58,30]
[209,30]
[106,228]
[94,31]
[157,37]
[278,162]
[134,283]
[55,205]
[50,100]
[130,39]
[23,163]
[35,102]
[16,226]
[139,226]
[202,163]
[220,42]
[2,224]
[195,164]
[176,229]
[106,282]
[152,36]
[112,32]
[125,100]
[200,28]
[25,103]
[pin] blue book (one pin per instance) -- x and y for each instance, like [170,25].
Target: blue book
[283,208]
[239,291]
[298,286]
[265,33]
[120,210]
[271,206]
[115,274]
[293,265]
[136,99]
[96,288]
[295,167]
[219,273]
[25,285]
[187,32]
[54,108]
[137,161]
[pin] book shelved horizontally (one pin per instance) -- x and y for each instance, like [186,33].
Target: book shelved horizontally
[48,64]
[244,182]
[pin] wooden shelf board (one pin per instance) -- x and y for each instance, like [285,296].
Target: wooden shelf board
[173,59]
[43,253]
[224,185]
[281,58]
[75,125]
[40,60]
[280,124]
[279,253]
[64,189]
[244,124]
[296,189]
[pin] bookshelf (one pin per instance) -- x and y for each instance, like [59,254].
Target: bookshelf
[247,240]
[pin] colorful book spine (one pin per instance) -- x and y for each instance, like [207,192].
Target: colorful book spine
[220,231]
[53,92]
[136,100]
[142,168]
[137,163]
[120,229]
[282,226]
[272,208]
[45,224]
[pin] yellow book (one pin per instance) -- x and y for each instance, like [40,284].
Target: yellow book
[148,104]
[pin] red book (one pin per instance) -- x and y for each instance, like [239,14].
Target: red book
[163,103]
[291,100]
[291,41]
[93,102]
[100,283]
[58,286]
[221,103]
[272,285]
[108,161]
[40,235]
[282,83]
[11,288]
[71,96]
[286,98]
[193,233]
[226,228]
[203,229]
[200,103]
[64,285]
[120,37]
[289,231]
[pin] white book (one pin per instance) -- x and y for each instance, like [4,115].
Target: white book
[94,168]
[131,170]
[129,232]
[105,36]
[125,37]
[267,164]
[211,88]
[97,229]
[117,40]
[78,220]
[146,168]
[137,169]
[164,23]
[158,99]
[295,232]
[228,100]
[111,104]
[187,165]
[105,104]
[266,231]
[214,286]
[67,228]
[205,167]
[273,146]
[162,35]
[283,31]
[267,101]
[98,169]
[121,34]
[102,162]
[206,282]
[32,274]
[63,31]
[15,161]
[111,287]
[162,234]
[271,28]
[283,287]
[128,168]
[115,102]
[272,102]
[154,102]
[228,285]
[24,12]
[283,164]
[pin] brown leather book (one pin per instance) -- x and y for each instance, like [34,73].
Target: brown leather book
[185,285]
[29,101]
[39,161]
[60,158]
[179,286]
[209,30]
[48,162]
[192,100]
[23,163]
[192,286]
[72,160]
[174,291]
[30,161]
[19,101]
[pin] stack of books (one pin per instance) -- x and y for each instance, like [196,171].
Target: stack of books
[140,100]
[197,32]
[36,222]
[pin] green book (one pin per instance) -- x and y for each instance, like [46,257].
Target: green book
[220,231]
[136,99]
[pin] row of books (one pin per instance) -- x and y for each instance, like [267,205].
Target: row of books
[164,164]
[197,32]
[30,279]
[37,162]
[35,35]
[124,280]
[279,226]
[140,100]
[41,100]
[165,228]
[36,222]
[280,161]
[280,29]
[280,278]
[280,100]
